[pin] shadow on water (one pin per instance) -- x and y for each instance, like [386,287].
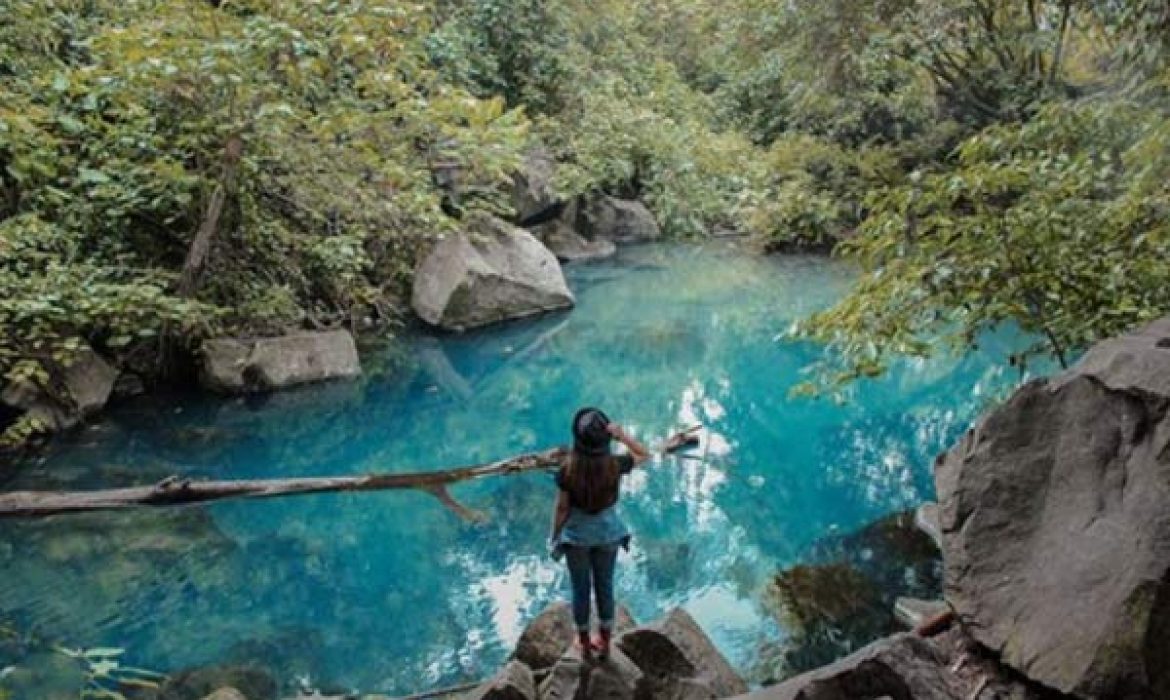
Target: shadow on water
[841,596]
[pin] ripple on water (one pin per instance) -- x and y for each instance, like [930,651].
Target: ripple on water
[391,592]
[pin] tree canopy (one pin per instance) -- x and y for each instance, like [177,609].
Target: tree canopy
[175,169]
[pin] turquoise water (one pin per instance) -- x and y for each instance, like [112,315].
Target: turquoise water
[392,592]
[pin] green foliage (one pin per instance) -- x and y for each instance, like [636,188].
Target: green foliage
[986,160]
[824,68]
[606,86]
[1059,225]
[513,48]
[115,118]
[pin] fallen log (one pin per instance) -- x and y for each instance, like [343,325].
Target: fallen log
[175,491]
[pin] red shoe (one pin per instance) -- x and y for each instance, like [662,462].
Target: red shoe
[586,646]
[601,644]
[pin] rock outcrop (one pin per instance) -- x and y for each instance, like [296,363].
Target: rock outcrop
[843,594]
[1055,518]
[907,667]
[926,520]
[490,272]
[676,648]
[903,667]
[514,682]
[671,659]
[82,388]
[233,365]
[552,631]
[617,220]
[570,246]
[532,187]
[914,612]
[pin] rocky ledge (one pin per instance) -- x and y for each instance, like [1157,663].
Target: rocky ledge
[669,659]
[1055,519]
[235,365]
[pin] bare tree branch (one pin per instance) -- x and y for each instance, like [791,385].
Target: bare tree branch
[174,491]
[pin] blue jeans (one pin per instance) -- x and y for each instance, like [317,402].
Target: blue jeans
[592,568]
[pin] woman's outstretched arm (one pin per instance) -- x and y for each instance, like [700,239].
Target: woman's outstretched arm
[637,450]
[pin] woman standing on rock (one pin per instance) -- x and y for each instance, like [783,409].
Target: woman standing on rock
[586,526]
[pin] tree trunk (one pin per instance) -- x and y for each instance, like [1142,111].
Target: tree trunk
[1058,52]
[174,491]
[201,245]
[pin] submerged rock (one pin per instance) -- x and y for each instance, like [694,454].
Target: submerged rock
[829,610]
[43,675]
[1055,515]
[488,273]
[844,597]
[196,684]
[233,365]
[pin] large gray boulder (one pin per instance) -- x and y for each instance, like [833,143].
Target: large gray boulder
[617,220]
[490,272]
[235,365]
[676,647]
[1055,517]
[82,388]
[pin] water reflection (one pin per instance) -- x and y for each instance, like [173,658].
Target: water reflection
[391,592]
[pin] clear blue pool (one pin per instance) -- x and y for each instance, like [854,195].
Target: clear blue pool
[392,592]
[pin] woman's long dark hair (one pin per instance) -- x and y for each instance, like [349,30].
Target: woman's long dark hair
[592,480]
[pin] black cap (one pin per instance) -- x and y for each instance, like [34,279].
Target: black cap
[590,436]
